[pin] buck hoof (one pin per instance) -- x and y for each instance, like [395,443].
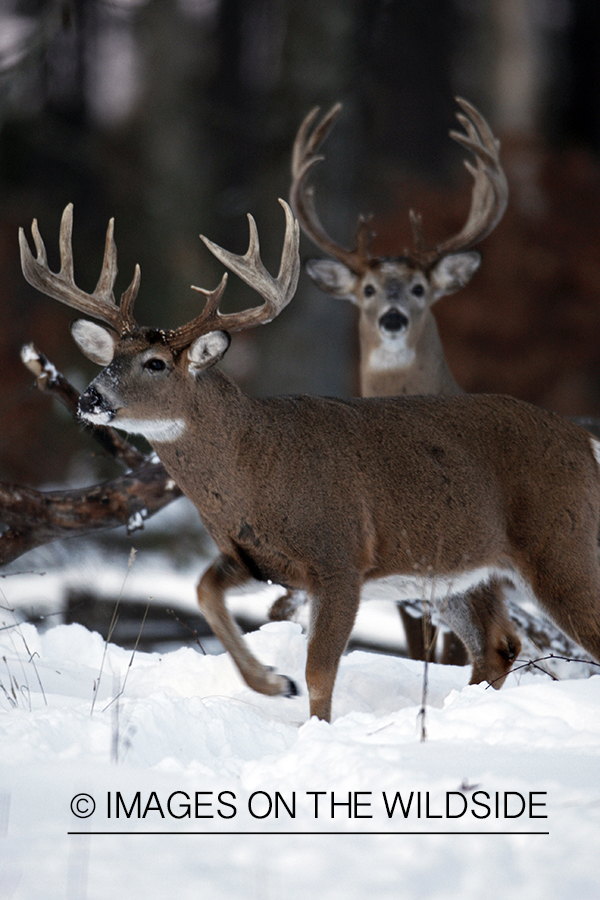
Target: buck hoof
[292,689]
[279,684]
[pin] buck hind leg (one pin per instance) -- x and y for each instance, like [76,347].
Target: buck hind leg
[482,622]
[225,573]
[567,587]
[283,609]
[333,607]
[454,652]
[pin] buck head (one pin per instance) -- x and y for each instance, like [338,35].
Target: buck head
[148,378]
[395,295]
[145,383]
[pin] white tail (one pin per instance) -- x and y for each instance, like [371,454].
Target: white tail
[324,495]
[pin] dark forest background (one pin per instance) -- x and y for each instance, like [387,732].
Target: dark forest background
[178,116]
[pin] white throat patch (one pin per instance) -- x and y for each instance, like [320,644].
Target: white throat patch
[154,430]
[392,353]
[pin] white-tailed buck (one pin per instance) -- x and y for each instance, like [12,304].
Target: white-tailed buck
[324,495]
[400,347]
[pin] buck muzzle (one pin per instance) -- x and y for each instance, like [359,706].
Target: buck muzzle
[95,409]
[393,320]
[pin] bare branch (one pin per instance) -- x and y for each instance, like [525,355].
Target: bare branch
[32,518]
[50,380]
[535,664]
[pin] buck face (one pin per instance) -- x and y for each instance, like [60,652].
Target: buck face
[297,489]
[139,367]
[396,328]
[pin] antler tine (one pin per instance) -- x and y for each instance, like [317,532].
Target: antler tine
[307,143]
[277,292]
[108,273]
[304,159]
[208,320]
[61,285]
[128,299]
[490,187]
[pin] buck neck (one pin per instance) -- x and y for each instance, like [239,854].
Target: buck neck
[405,361]
[185,409]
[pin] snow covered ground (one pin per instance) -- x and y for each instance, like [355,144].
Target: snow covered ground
[201,788]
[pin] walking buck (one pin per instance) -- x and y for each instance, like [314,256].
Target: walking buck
[400,347]
[324,495]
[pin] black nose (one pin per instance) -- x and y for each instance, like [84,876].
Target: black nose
[91,401]
[393,320]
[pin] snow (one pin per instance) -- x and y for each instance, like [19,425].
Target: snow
[223,793]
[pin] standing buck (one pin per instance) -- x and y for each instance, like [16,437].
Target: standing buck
[400,347]
[324,495]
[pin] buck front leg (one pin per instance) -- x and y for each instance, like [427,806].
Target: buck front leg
[333,609]
[223,574]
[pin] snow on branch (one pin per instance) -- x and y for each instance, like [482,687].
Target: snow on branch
[31,518]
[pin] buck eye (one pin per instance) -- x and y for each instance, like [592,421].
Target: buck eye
[418,290]
[369,290]
[155,364]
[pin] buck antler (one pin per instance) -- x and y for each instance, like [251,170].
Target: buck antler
[304,159]
[277,292]
[61,285]
[488,202]
[490,188]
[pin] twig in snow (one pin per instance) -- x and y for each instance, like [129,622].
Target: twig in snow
[17,625]
[133,652]
[534,664]
[192,631]
[111,628]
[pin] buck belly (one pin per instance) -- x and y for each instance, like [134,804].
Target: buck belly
[437,591]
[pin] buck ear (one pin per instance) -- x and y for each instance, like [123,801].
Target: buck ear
[94,341]
[206,350]
[453,272]
[332,277]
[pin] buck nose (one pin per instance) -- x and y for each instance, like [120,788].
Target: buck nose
[393,320]
[93,407]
